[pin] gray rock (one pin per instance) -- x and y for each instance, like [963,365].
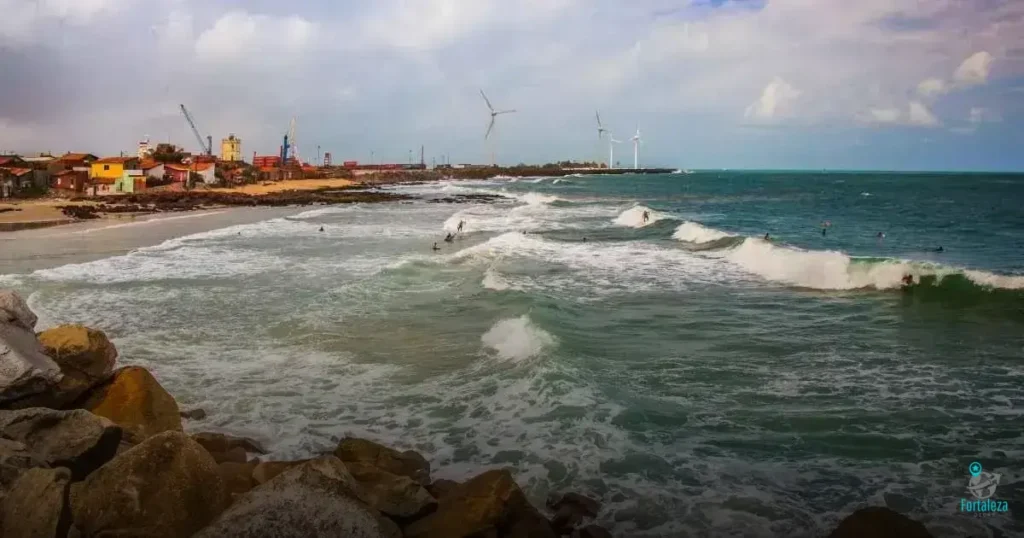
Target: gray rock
[36,505]
[75,439]
[317,498]
[14,311]
[193,414]
[394,495]
[15,459]
[165,487]
[25,369]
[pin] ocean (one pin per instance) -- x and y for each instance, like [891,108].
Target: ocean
[697,379]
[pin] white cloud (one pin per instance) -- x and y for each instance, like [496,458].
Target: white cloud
[921,116]
[932,87]
[774,101]
[916,114]
[240,36]
[980,115]
[884,115]
[22,20]
[974,70]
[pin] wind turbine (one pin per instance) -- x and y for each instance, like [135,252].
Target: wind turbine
[611,150]
[636,149]
[494,115]
[600,128]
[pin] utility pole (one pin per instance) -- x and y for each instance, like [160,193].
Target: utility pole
[318,161]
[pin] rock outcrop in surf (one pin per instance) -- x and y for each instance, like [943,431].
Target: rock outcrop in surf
[114,460]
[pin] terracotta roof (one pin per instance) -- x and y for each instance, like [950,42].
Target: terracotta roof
[67,172]
[76,156]
[178,167]
[104,180]
[116,160]
[8,158]
[18,171]
[149,165]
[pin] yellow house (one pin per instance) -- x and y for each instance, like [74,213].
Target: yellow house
[231,149]
[112,167]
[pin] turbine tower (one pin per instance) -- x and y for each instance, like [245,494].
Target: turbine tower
[611,150]
[636,149]
[494,115]
[600,134]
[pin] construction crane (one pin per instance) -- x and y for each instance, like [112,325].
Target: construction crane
[207,147]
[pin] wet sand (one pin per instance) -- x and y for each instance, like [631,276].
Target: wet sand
[28,250]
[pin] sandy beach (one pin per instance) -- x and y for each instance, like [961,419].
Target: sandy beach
[45,212]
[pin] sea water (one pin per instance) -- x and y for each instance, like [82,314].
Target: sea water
[696,378]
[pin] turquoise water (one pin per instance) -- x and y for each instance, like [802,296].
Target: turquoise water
[697,379]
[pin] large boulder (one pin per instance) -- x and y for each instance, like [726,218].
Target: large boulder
[228,447]
[317,498]
[167,486]
[571,509]
[35,506]
[85,356]
[237,478]
[15,311]
[15,459]
[408,463]
[487,503]
[879,522]
[76,439]
[396,496]
[265,471]
[135,400]
[25,369]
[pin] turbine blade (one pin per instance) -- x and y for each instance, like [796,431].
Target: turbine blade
[505,111]
[489,127]
[486,100]
[598,115]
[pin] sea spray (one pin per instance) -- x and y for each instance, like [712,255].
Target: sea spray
[693,232]
[517,339]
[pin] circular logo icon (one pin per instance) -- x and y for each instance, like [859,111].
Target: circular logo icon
[975,468]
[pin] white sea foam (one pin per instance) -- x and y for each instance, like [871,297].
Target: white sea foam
[494,281]
[1009,282]
[693,232]
[634,217]
[517,339]
[825,270]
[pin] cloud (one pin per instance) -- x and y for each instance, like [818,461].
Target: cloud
[915,115]
[24,20]
[921,116]
[240,36]
[974,70]
[775,100]
[932,87]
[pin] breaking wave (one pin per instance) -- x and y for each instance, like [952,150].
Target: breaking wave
[693,232]
[634,217]
[517,339]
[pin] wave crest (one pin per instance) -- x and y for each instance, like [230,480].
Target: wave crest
[693,232]
[517,339]
[634,217]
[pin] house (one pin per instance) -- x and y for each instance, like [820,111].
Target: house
[14,181]
[179,173]
[132,181]
[12,161]
[43,167]
[70,182]
[153,169]
[100,186]
[112,167]
[77,160]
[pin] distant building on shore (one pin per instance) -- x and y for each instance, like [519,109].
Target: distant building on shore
[231,148]
[266,161]
[112,167]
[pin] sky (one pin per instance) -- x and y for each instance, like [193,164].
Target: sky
[792,84]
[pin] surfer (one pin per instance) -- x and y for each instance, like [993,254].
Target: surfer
[448,238]
[647,217]
[908,279]
[584,239]
[940,249]
[767,236]
[461,224]
[881,235]
[435,247]
[823,230]
[321,228]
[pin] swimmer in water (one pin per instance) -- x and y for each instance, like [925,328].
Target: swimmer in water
[461,224]
[584,239]
[881,235]
[448,238]
[321,228]
[940,249]
[435,247]
[908,280]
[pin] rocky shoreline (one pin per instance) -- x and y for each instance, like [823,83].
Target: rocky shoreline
[91,450]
